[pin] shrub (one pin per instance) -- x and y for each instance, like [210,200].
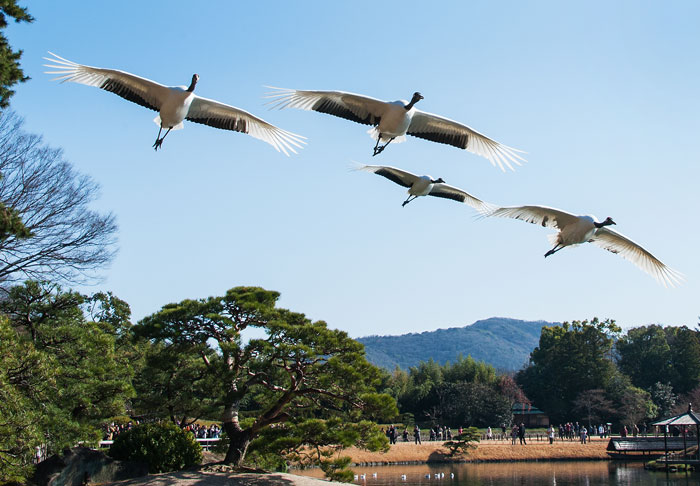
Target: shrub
[462,443]
[164,446]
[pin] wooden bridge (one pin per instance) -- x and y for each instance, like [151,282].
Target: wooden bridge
[639,447]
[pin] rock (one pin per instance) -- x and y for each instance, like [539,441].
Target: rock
[80,466]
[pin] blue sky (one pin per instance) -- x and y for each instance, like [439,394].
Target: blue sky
[602,95]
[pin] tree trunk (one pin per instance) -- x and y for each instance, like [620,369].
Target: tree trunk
[239,440]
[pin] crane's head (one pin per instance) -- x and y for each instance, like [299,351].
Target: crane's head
[438,181]
[608,221]
[416,98]
[195,78]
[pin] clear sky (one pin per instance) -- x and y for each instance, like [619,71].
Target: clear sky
[602,95]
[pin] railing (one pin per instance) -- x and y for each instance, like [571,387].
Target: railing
[206,444]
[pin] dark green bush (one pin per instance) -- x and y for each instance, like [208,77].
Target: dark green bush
[165,447]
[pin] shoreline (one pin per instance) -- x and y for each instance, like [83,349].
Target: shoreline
[486,451]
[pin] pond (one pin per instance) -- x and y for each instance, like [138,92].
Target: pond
[587,473]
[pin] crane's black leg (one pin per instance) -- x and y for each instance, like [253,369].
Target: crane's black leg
[378,150]
[159,141]
[553,250]
[408,200]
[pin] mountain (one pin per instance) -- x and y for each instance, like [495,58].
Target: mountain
[504,343]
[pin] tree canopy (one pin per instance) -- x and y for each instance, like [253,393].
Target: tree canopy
[298,369]
[464,393]
[569,359]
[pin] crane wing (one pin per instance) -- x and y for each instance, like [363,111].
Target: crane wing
[456,194]
[136,89]
[542,215]
[219,115]
[400,177]
[357,108]
[443,130]
[629,250]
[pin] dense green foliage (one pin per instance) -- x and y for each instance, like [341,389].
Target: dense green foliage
[299,369]
[174,384]
[465,393]
[504,343]
[569,359]
[591,370]
[11,224]
[653,354]
[164,446]
[62,375]
[10,71]
[26,381]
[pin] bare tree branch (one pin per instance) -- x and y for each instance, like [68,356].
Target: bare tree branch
[70,241]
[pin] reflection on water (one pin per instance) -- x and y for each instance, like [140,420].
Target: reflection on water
[593,473]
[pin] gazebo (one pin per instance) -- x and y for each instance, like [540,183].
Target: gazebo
[683,420]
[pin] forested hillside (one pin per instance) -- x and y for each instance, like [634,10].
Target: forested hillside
[504,343]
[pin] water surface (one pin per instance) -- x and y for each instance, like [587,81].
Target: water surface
[582,473]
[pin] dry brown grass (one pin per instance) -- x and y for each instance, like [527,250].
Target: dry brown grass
[408,452]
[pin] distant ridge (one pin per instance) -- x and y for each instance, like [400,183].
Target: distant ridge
[504,343]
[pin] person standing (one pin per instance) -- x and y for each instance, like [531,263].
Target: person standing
[514,434]
[416,434]
[521,434]
[550,433]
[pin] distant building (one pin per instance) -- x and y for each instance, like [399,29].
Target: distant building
[529,415]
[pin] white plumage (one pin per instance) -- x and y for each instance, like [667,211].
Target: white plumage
[393,120]
[574,230]
[427,186]
[174,104]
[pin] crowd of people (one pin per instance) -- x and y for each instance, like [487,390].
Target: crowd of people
[575,431]
[200,431]
[436,433]
[114,429]
[518,433]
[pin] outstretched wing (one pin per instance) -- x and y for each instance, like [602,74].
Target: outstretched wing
[456,194]
[443,130]
[629,250]
[542,215]
[136,89]
[357,108]
[219,115]
[400,177]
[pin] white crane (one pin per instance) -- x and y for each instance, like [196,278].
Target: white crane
[391,121]
[174,104]
[574,230]
[427,186]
